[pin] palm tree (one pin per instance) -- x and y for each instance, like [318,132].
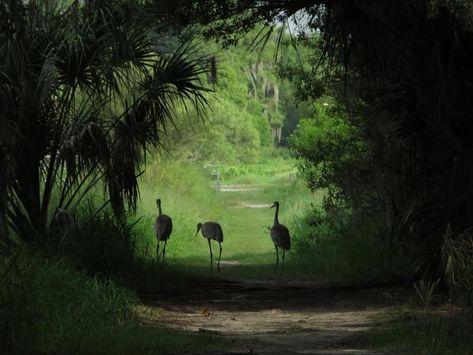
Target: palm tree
[84,94]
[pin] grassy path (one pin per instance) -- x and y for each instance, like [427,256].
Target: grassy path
[244,212]
[254,309]
[247,308]
[246,225]
[246,218]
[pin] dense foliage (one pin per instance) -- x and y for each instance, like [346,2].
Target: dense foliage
[401,70]
[84,94]
[253,108]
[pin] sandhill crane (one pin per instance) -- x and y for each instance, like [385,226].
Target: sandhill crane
[280,236]
[162,228]
[212,230]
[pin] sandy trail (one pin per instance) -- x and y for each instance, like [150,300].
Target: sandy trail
[272,317]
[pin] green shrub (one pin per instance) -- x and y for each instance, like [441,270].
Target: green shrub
[335,244]
[98,244]
[273,163]
[457,260]
[425,290]
[407,330]
[46,305]
[17,313]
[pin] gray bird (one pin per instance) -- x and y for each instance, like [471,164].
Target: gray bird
[162,228]
[280,236]
[212,230]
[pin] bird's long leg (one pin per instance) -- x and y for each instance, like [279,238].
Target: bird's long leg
[157,252]
[277,258]
[283,254]
[211,256]
[219,256]
[164,249]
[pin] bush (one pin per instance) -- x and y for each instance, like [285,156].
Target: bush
[335,244]
[46,305]
[457,257]
[98,244]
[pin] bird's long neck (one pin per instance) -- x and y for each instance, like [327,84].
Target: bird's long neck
[159,209]
[276,220]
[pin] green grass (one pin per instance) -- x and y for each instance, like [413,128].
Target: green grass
[412,331]
[268,172]
[144,339]
[345,249]
[351,252]
[188,198]
[322,252]
[48,306]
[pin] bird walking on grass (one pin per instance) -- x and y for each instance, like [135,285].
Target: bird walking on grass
[162,228]
[280,236]
[212,230]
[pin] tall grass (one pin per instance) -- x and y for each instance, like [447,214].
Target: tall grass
[407,330]
[340,246]
[457,260]
[98,244]
[49,306]
[273,164]
[186,195]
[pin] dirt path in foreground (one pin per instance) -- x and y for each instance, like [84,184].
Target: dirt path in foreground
[272,317]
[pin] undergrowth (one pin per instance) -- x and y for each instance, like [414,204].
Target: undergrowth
[409,330]
[186,195]
[339,246]
[49,306]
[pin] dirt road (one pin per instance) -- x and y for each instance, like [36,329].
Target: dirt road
[272,316]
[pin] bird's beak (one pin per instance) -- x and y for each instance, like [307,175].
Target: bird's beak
[198,229]
[273,206]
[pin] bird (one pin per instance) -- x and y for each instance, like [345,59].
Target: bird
[162,228]
[212,230]
[280,236]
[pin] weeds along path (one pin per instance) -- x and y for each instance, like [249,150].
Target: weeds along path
[271,317]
